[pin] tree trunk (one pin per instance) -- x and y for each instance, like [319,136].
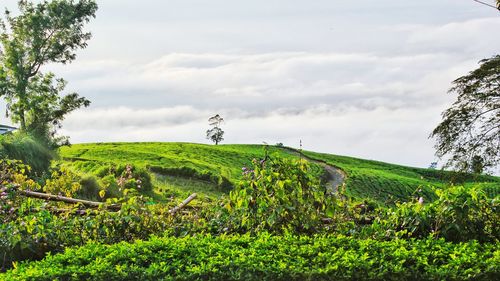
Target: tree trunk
[22,120]
[21,87]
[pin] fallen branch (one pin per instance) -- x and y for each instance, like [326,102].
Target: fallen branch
[183,204]
[93,204]
[52,197]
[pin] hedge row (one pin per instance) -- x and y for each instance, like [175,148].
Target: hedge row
[222,182]
[267,257]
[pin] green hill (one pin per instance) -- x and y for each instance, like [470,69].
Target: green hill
[386,182]
[180,168]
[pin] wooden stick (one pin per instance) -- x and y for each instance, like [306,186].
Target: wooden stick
[93,204]
[183,204]
[52,197]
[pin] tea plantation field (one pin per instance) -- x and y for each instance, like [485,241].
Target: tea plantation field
[180,168]
[262,213]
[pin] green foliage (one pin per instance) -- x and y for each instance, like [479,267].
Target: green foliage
[12,177]
[222,183]
[266,257]
[117,179]
[469,133]
[63,182]
[113,178]
[90,188]
[44,32]
[29,150]
[29,228]
[32,228]
[387,183]
[221,164]
[458,214]
[279,195]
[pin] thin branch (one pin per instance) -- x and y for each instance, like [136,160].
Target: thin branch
[37,63]
[486,4]
[484,135]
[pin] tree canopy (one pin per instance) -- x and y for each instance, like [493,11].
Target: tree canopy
[216,133]
[42,33]
[469,133]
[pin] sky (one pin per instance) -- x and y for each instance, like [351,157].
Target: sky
[360,78]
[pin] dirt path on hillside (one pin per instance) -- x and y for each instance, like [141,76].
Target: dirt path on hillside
[335,176]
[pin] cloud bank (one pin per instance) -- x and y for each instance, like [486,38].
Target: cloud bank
[353,104]
[366,80]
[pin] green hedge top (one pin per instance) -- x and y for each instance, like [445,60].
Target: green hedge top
[266,257]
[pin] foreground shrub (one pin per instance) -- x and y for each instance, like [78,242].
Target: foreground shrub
[30,228]
[12,177]
[33,228]
[278,195]
[29,150]
[458,214]
[113,180]
[127,176]
[266,257]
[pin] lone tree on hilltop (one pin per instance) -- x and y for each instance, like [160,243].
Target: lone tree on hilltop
[43,32]
[470,130]
[216,133]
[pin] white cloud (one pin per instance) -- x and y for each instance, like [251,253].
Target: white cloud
[476,37]
[359,78]
[382,134]
[366,105]
[266,81]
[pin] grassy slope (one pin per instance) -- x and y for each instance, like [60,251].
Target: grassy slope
[387,182]
[366,179]
[223,160]
[226,160]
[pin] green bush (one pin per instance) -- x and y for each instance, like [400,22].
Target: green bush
[266,257]
[458,214]
[29,150]
[31,229]
[133,177]
[279,195]
[115,179]
[12,177]
[62,181]
[89,188]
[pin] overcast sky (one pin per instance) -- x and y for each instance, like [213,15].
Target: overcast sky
[361,78]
